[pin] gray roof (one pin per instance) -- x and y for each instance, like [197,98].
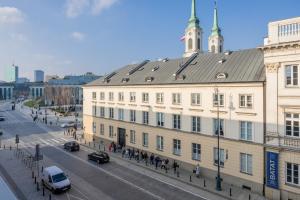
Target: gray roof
[238,67]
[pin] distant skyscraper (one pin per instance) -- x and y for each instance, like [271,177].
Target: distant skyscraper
[12,73]
[38,76]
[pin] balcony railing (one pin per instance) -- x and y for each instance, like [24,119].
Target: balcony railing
[273,139]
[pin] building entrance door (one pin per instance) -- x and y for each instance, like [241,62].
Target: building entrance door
[122,137]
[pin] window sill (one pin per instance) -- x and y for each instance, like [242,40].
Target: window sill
[146,146]
[159,150]
[292,185]
[176,154]
[196,159]
[250,174]
[222,166]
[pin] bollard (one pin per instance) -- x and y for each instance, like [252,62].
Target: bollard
[43,191]
[37,186]
[42,169]
[32,174]
[35,180]
[84,141]
[178,174]
[94,145]
[99,146]
[50,196]
[249,196]
[230,192]
[190,178]
[204,184]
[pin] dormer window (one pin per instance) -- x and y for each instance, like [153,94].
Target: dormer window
[125,80]
[221,75]
[149,79]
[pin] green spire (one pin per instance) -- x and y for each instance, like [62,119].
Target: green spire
[215,30]
[193,21]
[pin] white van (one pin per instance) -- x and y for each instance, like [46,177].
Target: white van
[55,179]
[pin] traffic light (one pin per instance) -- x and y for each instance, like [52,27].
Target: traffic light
[17,139]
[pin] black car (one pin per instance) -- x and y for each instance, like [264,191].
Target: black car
[99,157]
[72,146]
[2,118]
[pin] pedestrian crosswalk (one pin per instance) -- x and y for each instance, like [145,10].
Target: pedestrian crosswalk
[43,142]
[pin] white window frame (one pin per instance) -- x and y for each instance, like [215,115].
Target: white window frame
[291,70]
[132,115]
[101,129]
[195,99]
[111,96]
[246,167]
[102,96]
[145,117]
[102,111]
[132,96]
[176,121]
[176,147]
[246,130]
[94,95]
[111,113]
[293,176]
[176,98]
[196,124]
[222,157]
[121,96]
[160,98]
[160,119]
[246,101]
[160,143]
[121,114]
[94,127]
[111,131]
[215,126]
[145,97]
[218,101]
[132,137]
[94,107]
[196,151]
[294,120]
[145,138]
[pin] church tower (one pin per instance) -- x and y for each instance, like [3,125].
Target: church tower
[216,40]
[193,34]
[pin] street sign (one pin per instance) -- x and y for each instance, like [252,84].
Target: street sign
[17,139]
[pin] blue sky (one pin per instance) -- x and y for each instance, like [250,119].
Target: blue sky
[76,36]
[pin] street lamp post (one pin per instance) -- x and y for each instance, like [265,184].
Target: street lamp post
[218,178]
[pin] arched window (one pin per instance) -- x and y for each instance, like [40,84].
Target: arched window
[190,44]
[213,48]
[198,43]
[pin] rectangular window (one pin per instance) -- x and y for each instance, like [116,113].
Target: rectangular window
[196,151]
[159,98]
[102,111]
[102,96]
[246,163]
[94,127]
[111,131]
[94,110]
[101,129]
[121,114]
[176,98]
[145,97]
[222,157]
[94,94]
[176,121]
[291,75]
[160,118]
[132,115]
[196,124]
[195,99]
[132,96]
[176,147]
[132,136]
[246,130]
[292,173]
[218,100]
[121,96]
[246,101]
[221,126]
[145,139]
[111,113]
[145,117]
[160,143]
[292,124]
[111,96]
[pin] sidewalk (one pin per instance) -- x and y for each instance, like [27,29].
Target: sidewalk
[228,191]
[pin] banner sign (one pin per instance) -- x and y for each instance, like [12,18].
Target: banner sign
[272,170]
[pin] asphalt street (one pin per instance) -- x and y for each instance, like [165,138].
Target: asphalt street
[89,180]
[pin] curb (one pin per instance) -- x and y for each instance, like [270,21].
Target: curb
[174,178]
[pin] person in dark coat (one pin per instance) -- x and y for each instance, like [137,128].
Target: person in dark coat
[152,159]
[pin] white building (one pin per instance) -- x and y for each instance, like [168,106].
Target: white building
[38,76]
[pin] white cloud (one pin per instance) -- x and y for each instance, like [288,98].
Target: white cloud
[78,36]
[99,5]
[19,36]
[75,8]
[10,15]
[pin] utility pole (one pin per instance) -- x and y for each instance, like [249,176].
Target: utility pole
[218,178]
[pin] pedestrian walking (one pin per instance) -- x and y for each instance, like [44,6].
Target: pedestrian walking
[152,159]
[175,166]
[197,170]
[157,160]
[123,152]
[163,164]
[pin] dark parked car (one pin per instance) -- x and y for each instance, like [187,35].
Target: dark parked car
[2,118]
[72,146]
[99,157]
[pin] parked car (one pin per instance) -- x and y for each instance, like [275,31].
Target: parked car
[54,179]
[68,125]
[99,157]
[72,146]
[2,118]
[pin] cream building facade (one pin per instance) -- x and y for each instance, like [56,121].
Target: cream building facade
[282,59]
